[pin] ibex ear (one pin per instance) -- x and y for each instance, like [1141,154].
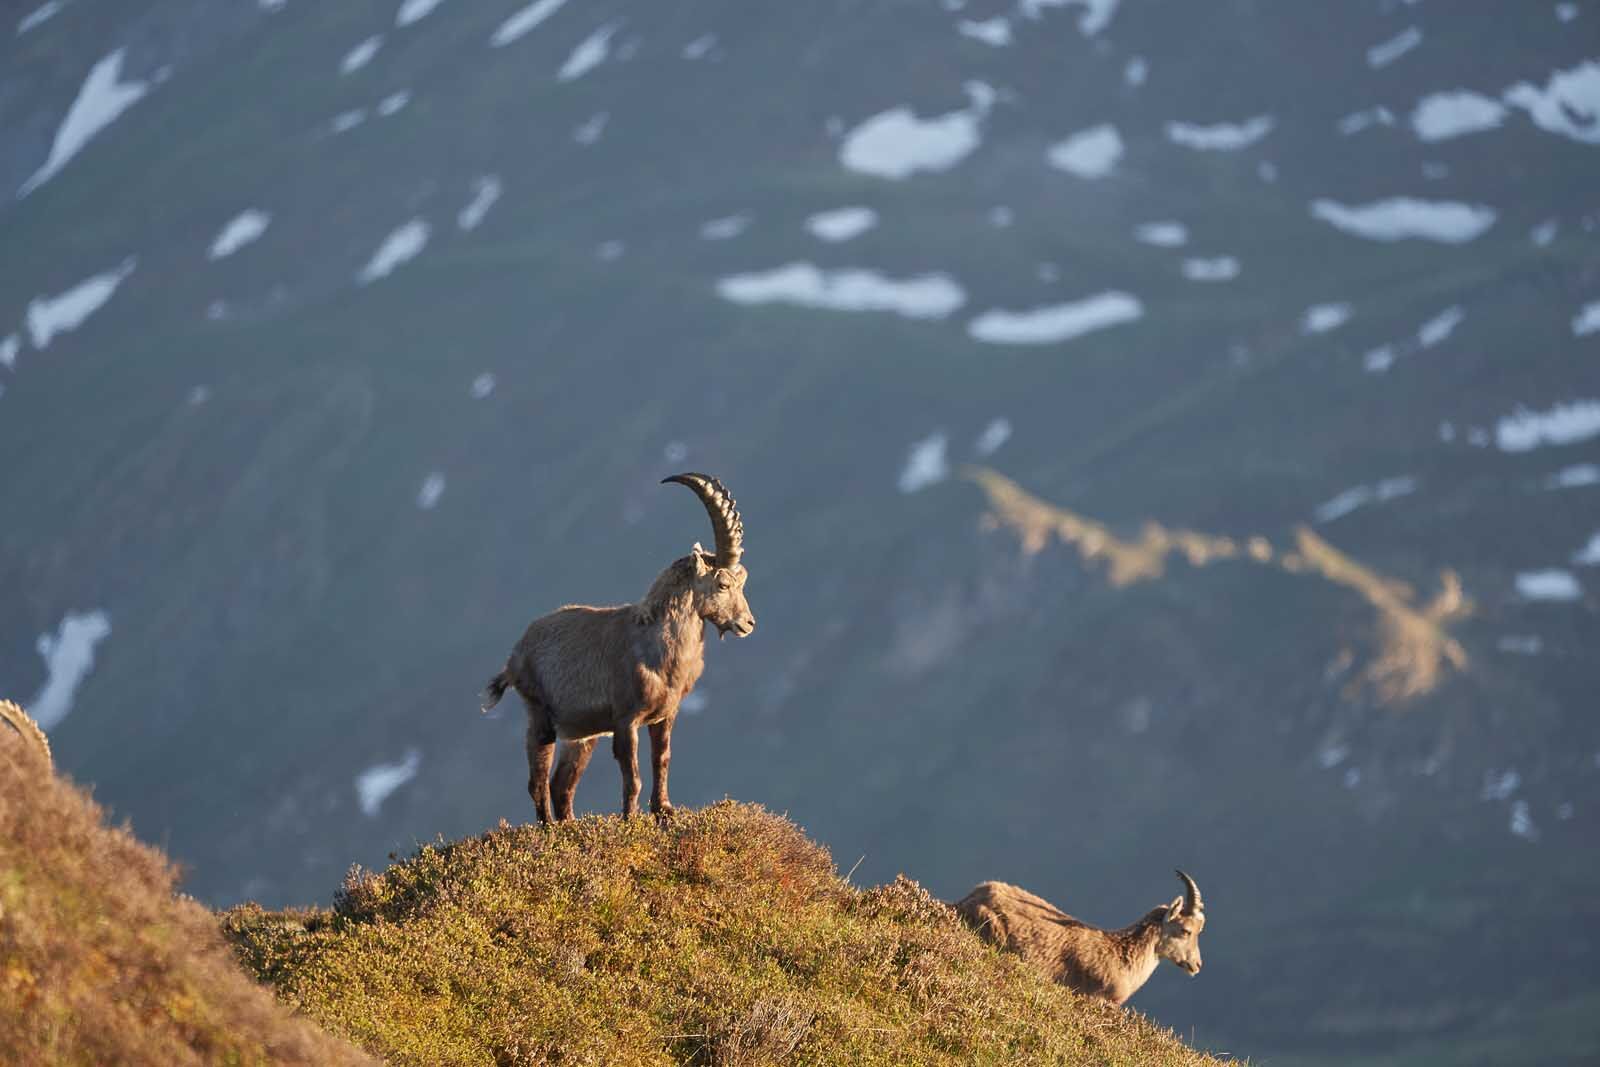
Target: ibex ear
[1175,909]
[698,557]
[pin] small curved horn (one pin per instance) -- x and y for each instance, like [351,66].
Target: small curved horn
[725,522]
[1192,905]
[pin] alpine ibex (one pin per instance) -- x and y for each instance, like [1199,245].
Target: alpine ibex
[12,717]
[1111,964]
[587,672]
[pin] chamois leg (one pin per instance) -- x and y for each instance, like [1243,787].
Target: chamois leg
[660,757]
[625,746]
[574,758]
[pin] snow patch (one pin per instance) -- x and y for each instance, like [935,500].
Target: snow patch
[592,128]
[1574,477]
[925,296]
[700,47]
[1381,55]
[1379,359]
[1589,554]
[1441,116]
[10,348]
[1220,137]
[361,54]
[405,243]
[49,316]
[1499,785]
[1522,823]
[896,144]
[1135,72]
[241,230]
[103,98]
[1057,322]
[413,10]
[1090,153]
[524,22]
[1357,121]
[1320,318]
[1550,584]
[348,120]
[925,464]
[1568,105]
[38,15]
[375,784]
[1362,495]
[997,433]
[1563,424]
[590,53]
[485,192]
[1216,269]
[1162,234]
[1439,328]
[841,224]
[1402,217]
[481,386]
[1587,320]
[1096,16]
[430,491]
[995,32]
[1566,12]
[68,658]
[1521,644]
[725,228]
[393,102]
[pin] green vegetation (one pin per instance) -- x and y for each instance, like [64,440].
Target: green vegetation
[722,936]
[100,963]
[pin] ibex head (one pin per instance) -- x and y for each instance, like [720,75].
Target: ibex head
[719,577]
[1181,926]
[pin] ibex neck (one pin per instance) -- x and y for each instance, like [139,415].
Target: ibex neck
[1136,944]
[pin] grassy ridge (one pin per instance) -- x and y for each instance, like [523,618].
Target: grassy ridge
[100,963]
[724,936]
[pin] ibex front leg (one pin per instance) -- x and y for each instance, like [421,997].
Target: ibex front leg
[660,758]
[625,746]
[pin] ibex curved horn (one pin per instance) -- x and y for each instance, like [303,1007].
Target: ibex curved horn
[1192,905]
[13,716]
[725,522]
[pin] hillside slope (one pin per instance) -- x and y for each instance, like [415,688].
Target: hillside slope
[724,937]
[100,963]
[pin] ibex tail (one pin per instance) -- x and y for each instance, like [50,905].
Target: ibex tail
[497,689]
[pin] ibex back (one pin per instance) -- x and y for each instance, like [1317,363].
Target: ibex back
[587,672]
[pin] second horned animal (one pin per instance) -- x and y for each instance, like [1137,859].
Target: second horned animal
[1110,964]
[588,672]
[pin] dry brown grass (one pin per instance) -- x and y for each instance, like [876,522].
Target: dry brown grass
[100,963]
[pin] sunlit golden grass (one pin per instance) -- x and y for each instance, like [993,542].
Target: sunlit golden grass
[720,937]
[100,963]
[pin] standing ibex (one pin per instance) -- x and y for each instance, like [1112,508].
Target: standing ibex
[586,672]
[1111,964]
[13,717]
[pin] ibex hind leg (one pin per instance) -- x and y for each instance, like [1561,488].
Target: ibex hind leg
[541,753]
[569,768]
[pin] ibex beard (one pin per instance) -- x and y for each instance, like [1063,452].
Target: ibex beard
[585,672]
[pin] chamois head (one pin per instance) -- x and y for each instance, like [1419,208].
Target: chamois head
[1180,928]
[718,578]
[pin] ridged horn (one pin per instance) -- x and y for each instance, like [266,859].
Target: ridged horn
[12,715]
[1192,905]
[726,525]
